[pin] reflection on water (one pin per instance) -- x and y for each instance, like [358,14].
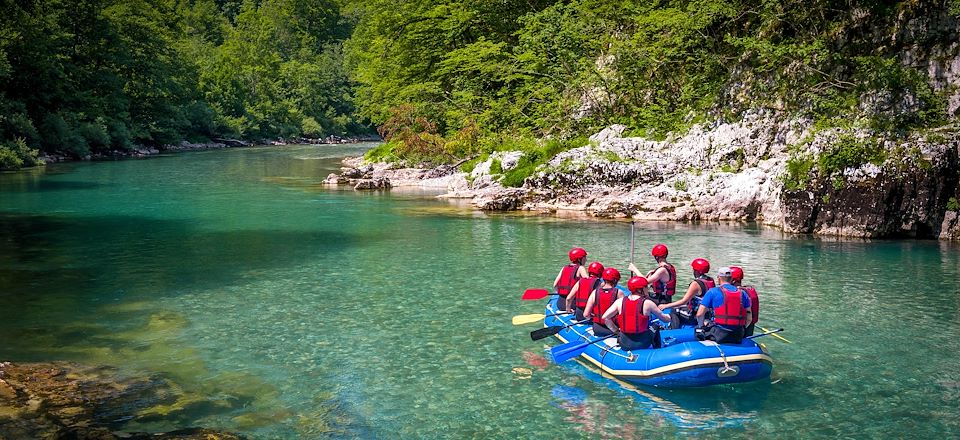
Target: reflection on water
[283,308]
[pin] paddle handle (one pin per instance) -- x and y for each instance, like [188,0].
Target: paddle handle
[632,241]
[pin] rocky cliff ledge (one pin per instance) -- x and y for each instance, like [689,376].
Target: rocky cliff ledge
[760,168]
[63,400]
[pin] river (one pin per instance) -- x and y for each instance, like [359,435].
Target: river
[285,309]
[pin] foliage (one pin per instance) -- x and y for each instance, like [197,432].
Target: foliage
[798,172]
[953,204]
[16,154]
[82,76]
[849,152]
[560,69]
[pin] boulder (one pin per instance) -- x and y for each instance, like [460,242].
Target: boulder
[373,184]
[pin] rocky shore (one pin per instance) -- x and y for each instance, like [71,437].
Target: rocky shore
[719,172]
[69,401]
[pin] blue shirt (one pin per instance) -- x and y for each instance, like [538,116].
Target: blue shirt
[714,297]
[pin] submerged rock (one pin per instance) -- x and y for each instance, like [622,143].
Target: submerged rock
[64,400]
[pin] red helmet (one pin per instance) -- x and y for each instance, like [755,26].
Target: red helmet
[636,283]
[659,251]
[577,253]
[611,274]
[700,265]
[736,273]
[595,269]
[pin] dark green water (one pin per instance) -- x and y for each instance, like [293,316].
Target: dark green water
[286,310]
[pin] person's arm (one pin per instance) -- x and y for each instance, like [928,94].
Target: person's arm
[700,314]
[649,308]
[692,290]
[656,275]
[582,272]
[557,281]
[611,313]
[573,295]
[588,309]
[633,270]
[746,304]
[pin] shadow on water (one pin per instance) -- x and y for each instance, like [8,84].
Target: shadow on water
[60,256]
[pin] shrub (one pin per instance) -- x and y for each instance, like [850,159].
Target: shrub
[16,154]
[849,152]
[95,134]
[953,205]
[798,172]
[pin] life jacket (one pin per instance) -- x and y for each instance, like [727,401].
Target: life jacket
[568,277]
[631,318]
[586,286]
[706,283]
[602,301]
[667,289]
[754,303]
[731,313]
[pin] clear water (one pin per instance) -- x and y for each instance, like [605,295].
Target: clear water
[284,309]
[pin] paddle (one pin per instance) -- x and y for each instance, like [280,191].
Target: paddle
[531,294]
[534,317]
[769,332]
[570,350]
[541,333]
[775,335]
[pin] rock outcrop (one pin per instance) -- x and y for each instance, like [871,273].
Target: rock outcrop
[730,172]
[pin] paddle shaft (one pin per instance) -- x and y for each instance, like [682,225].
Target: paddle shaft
[539,334]
[765,333]
[574,351]
[777,336]
[632,241]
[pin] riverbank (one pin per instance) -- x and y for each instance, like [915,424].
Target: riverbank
[748,171]
[216,144]
[65,400]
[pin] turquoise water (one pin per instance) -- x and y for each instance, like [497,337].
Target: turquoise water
[284,309]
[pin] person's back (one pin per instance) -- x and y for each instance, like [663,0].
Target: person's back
[577,299]
[663,278]
[632,314]
[569,275]
[684,310]
[737,274]
[601,299]
[731,310]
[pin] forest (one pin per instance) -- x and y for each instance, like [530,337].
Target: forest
[448,79]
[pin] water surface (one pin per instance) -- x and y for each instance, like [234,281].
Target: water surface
[285,309]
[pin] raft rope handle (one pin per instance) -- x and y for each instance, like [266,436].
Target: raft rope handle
[722,356]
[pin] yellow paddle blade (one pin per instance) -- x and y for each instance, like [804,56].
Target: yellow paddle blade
[776,335]
[527,319]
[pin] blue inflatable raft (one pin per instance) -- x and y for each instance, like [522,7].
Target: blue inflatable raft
[681,362]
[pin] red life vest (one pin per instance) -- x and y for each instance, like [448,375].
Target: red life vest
[754,303]
[670,287]
[568,277]
[731,313]
[631,318]
[583,291]
[603,299]
[706,283]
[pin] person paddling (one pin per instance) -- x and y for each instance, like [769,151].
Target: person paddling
[633,315]
[601,299]
[663,278]
[569,275]
[737,277]
[577,299]
[685,309]
[731,311]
